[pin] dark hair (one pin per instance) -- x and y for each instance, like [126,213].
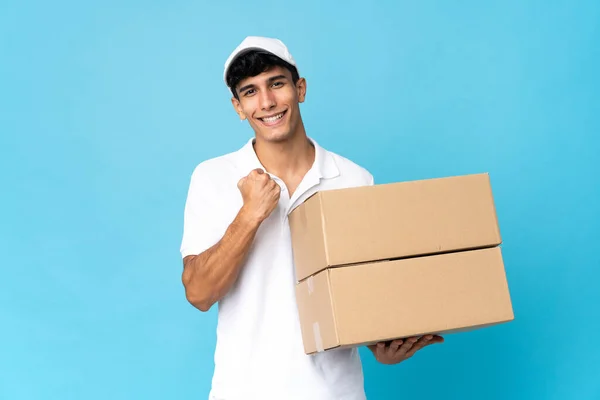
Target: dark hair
[255,63]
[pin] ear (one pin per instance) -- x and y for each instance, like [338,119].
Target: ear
[238,108]
[301,88]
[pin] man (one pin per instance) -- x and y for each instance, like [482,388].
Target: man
[236,243]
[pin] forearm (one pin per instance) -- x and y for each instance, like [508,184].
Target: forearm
[207,277]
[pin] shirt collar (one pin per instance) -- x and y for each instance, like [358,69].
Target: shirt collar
[324,165]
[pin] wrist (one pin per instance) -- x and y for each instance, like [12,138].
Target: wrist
[248,218]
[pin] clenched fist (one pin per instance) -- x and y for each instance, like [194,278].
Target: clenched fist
[260,194]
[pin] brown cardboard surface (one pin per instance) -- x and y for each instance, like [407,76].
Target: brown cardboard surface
[317,306]
[366,303]
[388,221]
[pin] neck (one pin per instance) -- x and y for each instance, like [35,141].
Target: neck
[287,158]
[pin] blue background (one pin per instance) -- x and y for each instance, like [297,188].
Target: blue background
[106,108]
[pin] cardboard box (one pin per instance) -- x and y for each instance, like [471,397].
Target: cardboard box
[388,221]
[362,304]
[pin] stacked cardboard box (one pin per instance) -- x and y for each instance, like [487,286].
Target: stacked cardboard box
[395,260]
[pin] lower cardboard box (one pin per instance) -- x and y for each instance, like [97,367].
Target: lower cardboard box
[365,303]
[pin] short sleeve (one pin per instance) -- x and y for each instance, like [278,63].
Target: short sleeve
[200,228]
[371,180]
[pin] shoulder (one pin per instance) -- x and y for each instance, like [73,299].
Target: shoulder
[213,185]
[215,169]
[214,181]
[352,170]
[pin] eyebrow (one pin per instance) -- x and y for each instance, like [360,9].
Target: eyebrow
[271,79]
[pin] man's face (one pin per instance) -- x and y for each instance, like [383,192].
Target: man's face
[270,102]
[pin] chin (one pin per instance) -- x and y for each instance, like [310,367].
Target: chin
[278,136]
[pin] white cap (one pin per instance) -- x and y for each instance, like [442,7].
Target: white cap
[271,45]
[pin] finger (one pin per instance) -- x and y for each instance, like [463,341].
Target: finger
[382,348]
[422,342]
[255,173]
[408,343]
[393,347]
[436,339]
[264,177]
[377,348]
[241,183]
[274,199]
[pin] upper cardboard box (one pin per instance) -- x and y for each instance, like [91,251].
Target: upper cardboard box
[395,220]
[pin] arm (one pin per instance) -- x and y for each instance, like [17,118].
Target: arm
[207,277]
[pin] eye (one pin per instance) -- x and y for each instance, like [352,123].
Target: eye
[277,84]
[249,92]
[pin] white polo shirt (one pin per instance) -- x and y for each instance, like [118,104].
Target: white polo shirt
[259,352]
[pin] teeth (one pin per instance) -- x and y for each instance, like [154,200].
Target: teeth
[273,118]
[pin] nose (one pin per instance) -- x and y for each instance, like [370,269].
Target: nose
[267,100]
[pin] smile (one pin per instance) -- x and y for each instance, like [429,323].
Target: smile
[273,119]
